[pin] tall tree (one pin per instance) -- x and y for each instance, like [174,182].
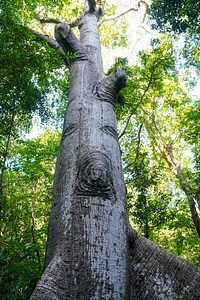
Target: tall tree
[92,253]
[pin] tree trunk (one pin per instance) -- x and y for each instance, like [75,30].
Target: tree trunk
[91,252]
[5,155]
[175,166]
[87,243]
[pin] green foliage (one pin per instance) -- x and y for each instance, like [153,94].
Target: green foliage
[30,71]
[25,209]
[113,32]
[148,197]
[27,68]
[154,110]
[178,235]
[179,16]
[159,130]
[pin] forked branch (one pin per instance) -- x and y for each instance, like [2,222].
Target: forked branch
[117,16]
[92,5]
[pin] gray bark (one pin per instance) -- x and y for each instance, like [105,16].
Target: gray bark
[158,274]
[87,243]
[91,252]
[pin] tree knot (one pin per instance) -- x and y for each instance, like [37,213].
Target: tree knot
[94,174]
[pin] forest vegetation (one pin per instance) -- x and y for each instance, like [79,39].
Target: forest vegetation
[157,118]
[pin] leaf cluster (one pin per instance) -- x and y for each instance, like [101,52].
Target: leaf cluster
[177,16]
[182,19]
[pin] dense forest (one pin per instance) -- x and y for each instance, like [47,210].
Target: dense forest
[157,117]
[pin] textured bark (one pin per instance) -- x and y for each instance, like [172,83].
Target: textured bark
[158,274]
[87,243]
[91,252]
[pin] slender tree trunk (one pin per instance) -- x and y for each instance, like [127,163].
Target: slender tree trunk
[91,251]
[5,156]
[34,241]
[193,203]
[175,167]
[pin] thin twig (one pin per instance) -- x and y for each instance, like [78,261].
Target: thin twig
[34,241]
[72,24]
[145,91]
[113,18]
[137,105]
[126,126]
[138,146]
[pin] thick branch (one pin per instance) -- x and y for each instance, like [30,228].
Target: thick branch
[111,85]
[118,78]
[90,7]
[68,42]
